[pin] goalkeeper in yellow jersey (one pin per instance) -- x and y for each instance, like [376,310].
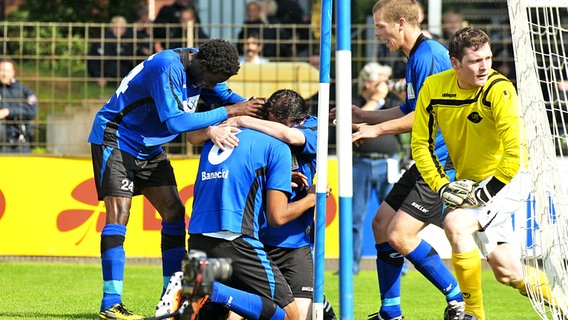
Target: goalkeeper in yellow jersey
[477,111]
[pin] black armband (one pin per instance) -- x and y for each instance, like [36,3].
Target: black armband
[494,186]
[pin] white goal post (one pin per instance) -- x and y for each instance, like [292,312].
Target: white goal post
[539,30]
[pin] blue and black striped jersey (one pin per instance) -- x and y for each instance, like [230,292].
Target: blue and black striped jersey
[158,89]
[230,188]
[296,233]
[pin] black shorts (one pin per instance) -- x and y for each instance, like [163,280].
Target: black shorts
[413,195]
[253,270]
[297,266]
[119,174]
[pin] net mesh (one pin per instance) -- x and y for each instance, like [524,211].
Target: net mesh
[539,32]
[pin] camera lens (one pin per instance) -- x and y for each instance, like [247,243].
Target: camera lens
[220,268]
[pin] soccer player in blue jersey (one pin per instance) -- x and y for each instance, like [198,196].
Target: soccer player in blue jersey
[236,192]
[289,245]
[154,103]
[411,205]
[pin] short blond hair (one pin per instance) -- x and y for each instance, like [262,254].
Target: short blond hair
[118,20]
[392,10]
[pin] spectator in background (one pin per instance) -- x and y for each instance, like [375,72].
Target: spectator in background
[141,39]
[111,58]
[371,158]
[452,21]
[252,50]
[18,107]
[177,36]
[170,15]
[269,10]
[290,12]
[180,36]
[257,22]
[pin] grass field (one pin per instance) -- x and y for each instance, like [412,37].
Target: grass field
[34,290]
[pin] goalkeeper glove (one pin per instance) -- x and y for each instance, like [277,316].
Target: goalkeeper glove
[454,194]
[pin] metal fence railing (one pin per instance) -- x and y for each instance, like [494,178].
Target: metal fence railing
[52,60]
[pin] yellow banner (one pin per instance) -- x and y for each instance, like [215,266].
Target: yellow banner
[49,207]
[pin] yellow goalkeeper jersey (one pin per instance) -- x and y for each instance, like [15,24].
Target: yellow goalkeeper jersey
[481,128]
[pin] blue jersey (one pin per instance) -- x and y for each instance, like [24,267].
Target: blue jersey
[155,91]
[230,188]
[296,233]
[426,58]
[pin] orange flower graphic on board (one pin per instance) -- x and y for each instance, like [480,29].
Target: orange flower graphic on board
[2,204]
[68,220]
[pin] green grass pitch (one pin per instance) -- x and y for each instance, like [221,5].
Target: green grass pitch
[37,290]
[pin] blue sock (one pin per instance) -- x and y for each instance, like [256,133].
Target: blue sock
[173,249]
[427,260]
[112,260]
[389,272]
[246,304]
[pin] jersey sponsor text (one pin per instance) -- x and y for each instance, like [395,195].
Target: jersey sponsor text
[223,174]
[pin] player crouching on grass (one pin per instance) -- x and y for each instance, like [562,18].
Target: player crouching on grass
[476,108]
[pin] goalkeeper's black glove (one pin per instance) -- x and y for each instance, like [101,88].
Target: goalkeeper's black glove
[454,194]
[482,195]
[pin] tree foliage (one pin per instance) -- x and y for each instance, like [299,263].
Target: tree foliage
[75,11]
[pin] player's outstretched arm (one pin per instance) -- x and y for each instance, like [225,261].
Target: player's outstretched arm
[394,126]
[291,136]
[370,116]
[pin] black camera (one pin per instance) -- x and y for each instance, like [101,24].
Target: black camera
[199,273]
[396,86]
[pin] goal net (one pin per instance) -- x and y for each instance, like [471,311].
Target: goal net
[539,30]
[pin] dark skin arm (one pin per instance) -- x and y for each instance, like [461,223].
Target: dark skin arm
[252,107]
